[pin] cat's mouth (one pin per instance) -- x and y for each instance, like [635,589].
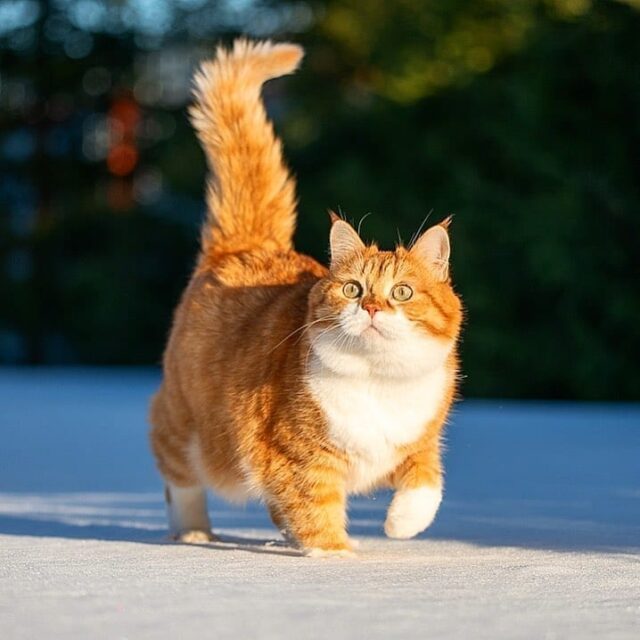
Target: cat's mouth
[372,332]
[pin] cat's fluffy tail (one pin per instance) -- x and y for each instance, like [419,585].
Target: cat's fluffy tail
[251,195]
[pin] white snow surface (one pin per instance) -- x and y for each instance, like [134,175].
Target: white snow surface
[538,535]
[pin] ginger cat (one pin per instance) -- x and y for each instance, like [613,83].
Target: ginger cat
[287,381]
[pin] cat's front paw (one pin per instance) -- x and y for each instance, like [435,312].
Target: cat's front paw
[412,511]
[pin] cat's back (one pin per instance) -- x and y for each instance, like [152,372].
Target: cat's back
[241,303]
[260,268]
[252,284]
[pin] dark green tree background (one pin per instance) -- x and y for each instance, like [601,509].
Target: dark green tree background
[521,118]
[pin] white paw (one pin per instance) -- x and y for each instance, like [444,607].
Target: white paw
[412,511]
[317,552]
[195,536]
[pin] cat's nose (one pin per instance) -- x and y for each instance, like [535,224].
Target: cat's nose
[371,308]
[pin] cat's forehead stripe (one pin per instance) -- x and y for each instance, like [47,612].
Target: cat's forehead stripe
[381,265]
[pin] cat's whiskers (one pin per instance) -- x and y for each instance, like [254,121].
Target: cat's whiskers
[316,338]
[343,339]
[332,325]
[303,328]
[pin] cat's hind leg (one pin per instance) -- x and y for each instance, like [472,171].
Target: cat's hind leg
[188,517]
[172,440]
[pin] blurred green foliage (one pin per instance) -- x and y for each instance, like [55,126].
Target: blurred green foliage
[520,118]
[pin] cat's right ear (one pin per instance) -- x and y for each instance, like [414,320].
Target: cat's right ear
[343,239]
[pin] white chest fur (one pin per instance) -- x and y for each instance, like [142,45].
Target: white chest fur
[369,417]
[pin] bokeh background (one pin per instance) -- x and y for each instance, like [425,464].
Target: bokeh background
[521,117]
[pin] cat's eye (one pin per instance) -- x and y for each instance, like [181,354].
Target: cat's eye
[401,292]
[352,289]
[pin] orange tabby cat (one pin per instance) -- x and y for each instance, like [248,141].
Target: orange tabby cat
[287,381]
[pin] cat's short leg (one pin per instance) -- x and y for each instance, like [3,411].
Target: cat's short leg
[188,517]
[418,483]
[314,515]
[288,537]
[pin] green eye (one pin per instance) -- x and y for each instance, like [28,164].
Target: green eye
[401,292]
[352,289]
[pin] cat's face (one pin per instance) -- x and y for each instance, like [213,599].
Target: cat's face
[385,312]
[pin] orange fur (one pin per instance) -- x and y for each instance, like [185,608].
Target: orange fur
[251,197]
[241,406]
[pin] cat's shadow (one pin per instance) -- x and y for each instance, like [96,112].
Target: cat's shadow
[46,528]
[270,546]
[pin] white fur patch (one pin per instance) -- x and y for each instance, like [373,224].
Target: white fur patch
[187,508]
[370,418]
[412,511]
[378,390]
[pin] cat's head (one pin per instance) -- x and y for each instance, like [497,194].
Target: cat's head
[390,313]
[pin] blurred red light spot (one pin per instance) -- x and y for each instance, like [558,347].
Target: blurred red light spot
[122,159]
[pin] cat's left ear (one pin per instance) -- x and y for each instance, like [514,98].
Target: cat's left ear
[343,239]
[433,248]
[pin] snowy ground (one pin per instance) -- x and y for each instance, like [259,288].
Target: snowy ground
[538,536]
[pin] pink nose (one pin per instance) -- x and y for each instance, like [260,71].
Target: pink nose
[371,308]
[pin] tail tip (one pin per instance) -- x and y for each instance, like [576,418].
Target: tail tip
[275,58]
[258,61]
[287,56]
